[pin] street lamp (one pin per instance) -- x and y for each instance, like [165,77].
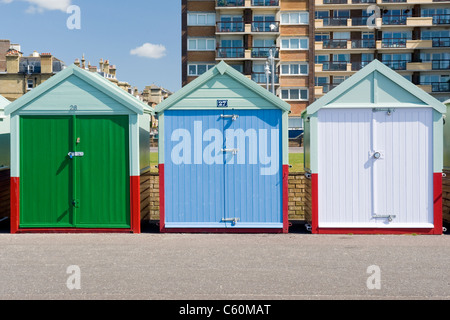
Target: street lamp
[271,60]
[267,70]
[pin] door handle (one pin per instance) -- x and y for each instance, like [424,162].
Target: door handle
[232,220]
[233,117]
[233,151]
[75,154]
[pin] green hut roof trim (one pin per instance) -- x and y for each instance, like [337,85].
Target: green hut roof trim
[220,70]
[376,85]
[92,79]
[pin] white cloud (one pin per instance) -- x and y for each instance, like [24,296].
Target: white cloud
[149,50]
[39,6]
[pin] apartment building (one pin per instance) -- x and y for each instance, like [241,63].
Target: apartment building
[254,36]
[410,36]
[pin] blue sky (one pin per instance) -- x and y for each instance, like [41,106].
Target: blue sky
[109,30]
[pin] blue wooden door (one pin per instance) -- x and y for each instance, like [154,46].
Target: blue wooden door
[194,170]
[253,169]
[223,169]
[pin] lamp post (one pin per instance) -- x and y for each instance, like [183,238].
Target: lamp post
[271,60]
[267,70]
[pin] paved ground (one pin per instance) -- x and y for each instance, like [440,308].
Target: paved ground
[156,266]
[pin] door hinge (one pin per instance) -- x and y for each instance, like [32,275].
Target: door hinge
[233,151]
[233,117]
[390,217]
[388,111]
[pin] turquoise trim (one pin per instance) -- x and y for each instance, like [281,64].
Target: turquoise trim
[266,98]
[161,138]
[438,142]
[374,72]
[314,145]
[285,137]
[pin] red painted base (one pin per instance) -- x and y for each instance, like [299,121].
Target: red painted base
[135,211]
[437,230]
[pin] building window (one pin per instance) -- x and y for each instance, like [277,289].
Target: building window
[295,94]
[295,18]
[238,67]
[30,84]
[321,36]
[201,44]
[294,44]
[199,68]
[294,69]
[201,19]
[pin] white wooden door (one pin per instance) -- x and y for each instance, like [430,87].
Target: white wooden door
[403,174]
[375,168]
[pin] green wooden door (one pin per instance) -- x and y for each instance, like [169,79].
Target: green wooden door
[89,190]
[46,184]
[103,178]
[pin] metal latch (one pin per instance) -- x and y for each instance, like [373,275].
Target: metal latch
[377,155]
[233,151]
[233,117]
[75,154]
[389,217]
[387,110]
[76,203]
[232,220]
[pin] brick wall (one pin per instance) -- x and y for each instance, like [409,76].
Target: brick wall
[4,193]
[150,196]
[446,196]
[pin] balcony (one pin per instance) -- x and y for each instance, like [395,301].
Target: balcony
[364,44]
[394,1]
[394,20]
[335,1]
[266,26]
[230,26]
[264,52]
[440,42]
[335,44]
[230,3]
[418,66]
[261,78]
[334,22]
[440,64]
[397,64]
[265,3]
[356,66]
[231,53]
[327,66]
[393,43]
[437,87]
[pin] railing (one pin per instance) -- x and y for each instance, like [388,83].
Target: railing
[364,44]
[360,21]
[230,3]
[335,2]
[228,52]
[440,64]
[230,26]
[394,43]
[334,66]
[260,77]
[393,1]
[394,20]
[363,1]
[356,66]
[335,44]
[265,26]
[438,86]
[397,64]
[440,42]
[265,3]
[264,52]
[336,22]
